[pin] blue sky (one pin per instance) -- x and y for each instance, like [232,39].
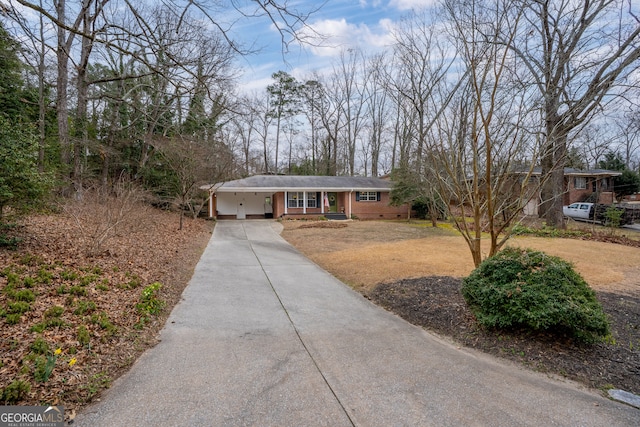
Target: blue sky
[364,24]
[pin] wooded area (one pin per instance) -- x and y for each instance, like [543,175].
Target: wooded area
[99,92]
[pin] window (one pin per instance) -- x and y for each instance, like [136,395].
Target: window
[311,200]
[368,196]
[295,199]
[580,183]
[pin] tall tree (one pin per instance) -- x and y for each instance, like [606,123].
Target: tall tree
[575,54]
[377,105]
[423,64]
[350,83]
[310,94]
[284,100]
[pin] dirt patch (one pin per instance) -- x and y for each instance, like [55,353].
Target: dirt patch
[415,271]
[327,224]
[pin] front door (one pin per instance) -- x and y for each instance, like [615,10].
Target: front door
[241,210]
[333,202]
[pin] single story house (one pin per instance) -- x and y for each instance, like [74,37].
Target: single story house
[593,185]
[289,196]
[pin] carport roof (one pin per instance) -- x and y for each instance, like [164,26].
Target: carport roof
[275,183]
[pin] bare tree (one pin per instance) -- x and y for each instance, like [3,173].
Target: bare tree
[158,39]
[377,104]
[476,146]
[331,112]
[194,164]
[423,64]
[349,83]
[577,55]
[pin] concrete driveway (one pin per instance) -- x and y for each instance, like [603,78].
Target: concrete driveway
[264,337]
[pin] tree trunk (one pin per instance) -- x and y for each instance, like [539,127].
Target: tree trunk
[42,107]
[62,82]
[553,161]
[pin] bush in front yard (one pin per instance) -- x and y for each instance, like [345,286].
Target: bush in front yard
[522,288]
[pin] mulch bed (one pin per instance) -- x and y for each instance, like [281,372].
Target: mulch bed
[436,304]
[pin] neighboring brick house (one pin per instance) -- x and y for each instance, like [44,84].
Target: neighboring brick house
[292,196]
[594,185]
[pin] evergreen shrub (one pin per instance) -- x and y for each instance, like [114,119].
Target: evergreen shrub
[523,288]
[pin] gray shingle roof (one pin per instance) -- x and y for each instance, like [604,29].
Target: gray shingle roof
[574,172]
[300,183]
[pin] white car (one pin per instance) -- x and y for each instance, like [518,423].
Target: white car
[578,210]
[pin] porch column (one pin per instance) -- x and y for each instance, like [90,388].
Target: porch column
[349,209]
[304,202]
[322,196]
[286,202]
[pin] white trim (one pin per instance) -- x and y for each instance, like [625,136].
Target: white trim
[304,202]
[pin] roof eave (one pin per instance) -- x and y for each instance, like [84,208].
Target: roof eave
[223,189]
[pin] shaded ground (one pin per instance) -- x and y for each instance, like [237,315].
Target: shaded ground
[415,271]
[81,313]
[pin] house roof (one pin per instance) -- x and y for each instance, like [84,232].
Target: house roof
[275,183]
[577,172]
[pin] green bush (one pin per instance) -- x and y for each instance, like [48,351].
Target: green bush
[52,312]
[18,307]
[149,302]
[84,337]
[13,318]
[15,392]
[84,307]
[522,288]
[40,346]
[24,295]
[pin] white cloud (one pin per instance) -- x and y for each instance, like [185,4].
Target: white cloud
[411,4]
[330,36]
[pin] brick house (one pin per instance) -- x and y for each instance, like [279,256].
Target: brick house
[593,185]
[288,196]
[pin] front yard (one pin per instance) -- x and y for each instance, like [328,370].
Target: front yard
[415,271]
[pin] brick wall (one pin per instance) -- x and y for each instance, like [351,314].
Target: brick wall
[360,209]
[377,209]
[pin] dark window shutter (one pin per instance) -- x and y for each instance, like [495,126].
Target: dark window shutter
[378,196]
[357,196]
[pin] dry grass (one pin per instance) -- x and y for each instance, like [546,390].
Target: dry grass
[366,253]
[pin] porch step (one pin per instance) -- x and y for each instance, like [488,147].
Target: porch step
[336,216]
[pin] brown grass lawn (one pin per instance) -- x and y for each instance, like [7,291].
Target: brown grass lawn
[414,270]
[366,253]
